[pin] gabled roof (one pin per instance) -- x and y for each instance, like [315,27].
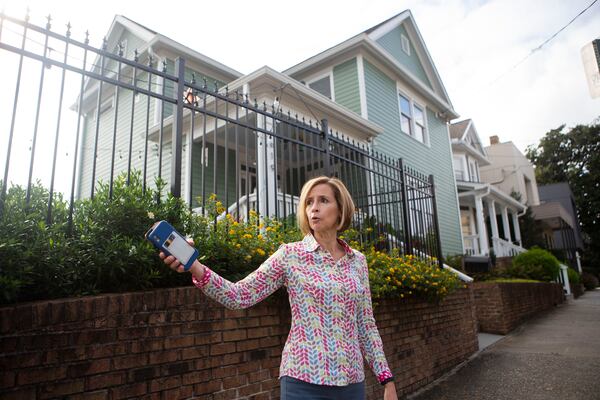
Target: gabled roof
[464,136]
[368,41]
[458,129]
[153,39]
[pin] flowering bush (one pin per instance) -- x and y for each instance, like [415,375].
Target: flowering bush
[106,251]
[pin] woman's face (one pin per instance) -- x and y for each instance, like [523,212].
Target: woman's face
[322,209]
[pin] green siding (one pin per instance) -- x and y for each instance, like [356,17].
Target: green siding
[209,174]
[345,83]
[170,85]
[436,159]
[105,133]
[392,43]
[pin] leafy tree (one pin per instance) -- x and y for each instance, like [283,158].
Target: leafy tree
[573,156]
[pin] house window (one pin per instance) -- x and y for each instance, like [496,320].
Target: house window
[412,119]
[405,44]
[322,85]
[419,124]
[458,168]
[473,176]
[405,115]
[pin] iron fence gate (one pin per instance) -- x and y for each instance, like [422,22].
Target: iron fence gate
[164,120]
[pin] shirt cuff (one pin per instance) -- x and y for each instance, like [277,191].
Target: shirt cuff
[205,278]
[385,377]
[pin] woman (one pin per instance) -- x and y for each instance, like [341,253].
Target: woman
[328,286]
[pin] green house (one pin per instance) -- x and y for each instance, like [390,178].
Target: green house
[380,89]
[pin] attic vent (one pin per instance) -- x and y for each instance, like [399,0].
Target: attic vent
[405,44]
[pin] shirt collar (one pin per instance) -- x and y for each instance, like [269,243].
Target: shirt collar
[311,244]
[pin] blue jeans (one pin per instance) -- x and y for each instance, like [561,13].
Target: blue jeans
[295,389]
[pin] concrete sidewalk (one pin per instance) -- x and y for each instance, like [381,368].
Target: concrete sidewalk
[554,356]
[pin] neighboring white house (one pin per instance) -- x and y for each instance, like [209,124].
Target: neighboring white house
[479,200]
[510,171]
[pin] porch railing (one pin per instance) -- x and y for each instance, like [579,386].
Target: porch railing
[170,122]
[504,248]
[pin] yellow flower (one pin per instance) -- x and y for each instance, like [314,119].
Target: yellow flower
[261,252]
[248,257]
[269,229]
[238,245]
[247,236]
[231,232]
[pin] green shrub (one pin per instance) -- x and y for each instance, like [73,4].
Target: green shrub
[536,264]
[574,278]
[105,251]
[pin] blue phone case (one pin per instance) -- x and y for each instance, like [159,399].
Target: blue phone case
[166,239]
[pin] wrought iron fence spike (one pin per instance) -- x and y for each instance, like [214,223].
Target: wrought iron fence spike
[164,66]
[193,78]
[87,37]
[69,29]
[216,86]
[204,80]
[27,14]
[104,43]
[120,47]
[136,55]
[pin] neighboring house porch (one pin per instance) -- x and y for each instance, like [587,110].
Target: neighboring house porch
[489,220]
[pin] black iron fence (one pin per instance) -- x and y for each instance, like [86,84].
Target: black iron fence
[131,111]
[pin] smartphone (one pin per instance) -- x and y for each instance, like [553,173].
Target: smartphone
[166,239]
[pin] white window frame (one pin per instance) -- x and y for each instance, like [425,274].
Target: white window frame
[458,161]
[425,126]
[405,44]
[321,75]
[413,123]
[474,174]
[410,117]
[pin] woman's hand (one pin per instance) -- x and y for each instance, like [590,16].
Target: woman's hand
[196,269]
[389,391]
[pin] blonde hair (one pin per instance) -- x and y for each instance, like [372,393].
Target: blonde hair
[342,197]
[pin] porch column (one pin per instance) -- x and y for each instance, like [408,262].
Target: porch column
[505,224]
[481,231]
[493,224]
[515,219]
[265,170]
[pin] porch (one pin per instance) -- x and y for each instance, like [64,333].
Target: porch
[489,221]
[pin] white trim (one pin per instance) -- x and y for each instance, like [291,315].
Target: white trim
[384,58]
[322,74]
[426,140]
[362,87]
[413,127]
[405,44]
[160,81]
[390,25]
[104,106]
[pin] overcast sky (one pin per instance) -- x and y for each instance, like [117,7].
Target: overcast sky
[475,46]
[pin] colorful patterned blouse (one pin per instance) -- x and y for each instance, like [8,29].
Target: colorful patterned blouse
[332,318]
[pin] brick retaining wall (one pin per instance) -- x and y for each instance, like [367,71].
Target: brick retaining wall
[502,306]
[175,343]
